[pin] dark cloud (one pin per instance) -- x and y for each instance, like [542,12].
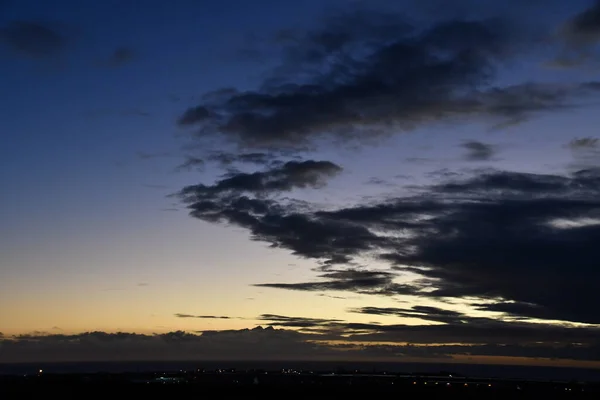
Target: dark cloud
[318,339]
[580,35]
[202,316]
[328,329]
[521,237]
[481,336]
[457,327]
[585,152]
[283,227]
[584,143]
[506,237]
[33,39]
[478,151]
[332,297]
[194,115]
[363,282]
[297,322]
[233,161]
[289,176]
[245,344]
[585,26]
[364,75]
[120,57]
[426,313]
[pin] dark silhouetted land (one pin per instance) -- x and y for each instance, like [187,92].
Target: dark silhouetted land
[289,382]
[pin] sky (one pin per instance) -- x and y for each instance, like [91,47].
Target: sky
[322,180]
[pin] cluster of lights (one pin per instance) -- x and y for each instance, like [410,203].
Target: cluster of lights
[449,384]
[289,371]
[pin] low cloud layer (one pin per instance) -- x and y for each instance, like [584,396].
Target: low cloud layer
[220,345]
[449,327]
[320,339]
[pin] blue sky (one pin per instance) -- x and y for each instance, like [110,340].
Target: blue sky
[92,104]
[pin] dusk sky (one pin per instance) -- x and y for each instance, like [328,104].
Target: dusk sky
[406,180]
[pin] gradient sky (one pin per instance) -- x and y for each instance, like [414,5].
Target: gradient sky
[362,175]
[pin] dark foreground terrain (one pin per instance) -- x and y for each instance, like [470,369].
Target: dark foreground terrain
[303,384]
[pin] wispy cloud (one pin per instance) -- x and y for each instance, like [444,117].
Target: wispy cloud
[202,316]
[191,163]
[585,143]
[34,39]
[120,57]
[364,282]
[478,151]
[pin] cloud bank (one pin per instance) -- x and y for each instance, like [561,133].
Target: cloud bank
[513,247]
[318,340]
